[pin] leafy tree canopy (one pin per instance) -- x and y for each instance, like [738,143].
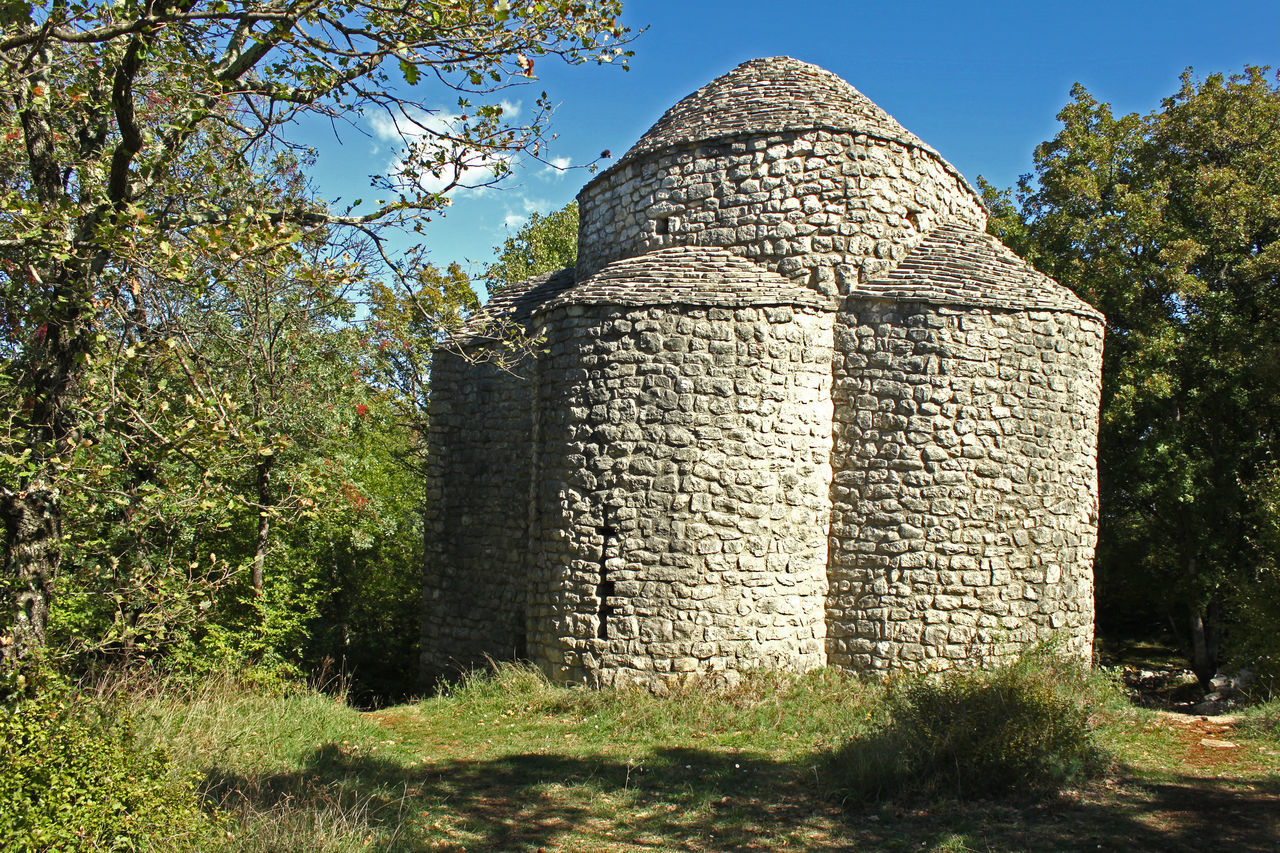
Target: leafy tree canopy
[143,141]
[1170,224]
[543,244]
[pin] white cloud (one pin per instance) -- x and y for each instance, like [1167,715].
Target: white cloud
[556,166]
[465,170]
[518,214]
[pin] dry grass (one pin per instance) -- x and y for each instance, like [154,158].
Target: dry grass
[507,762]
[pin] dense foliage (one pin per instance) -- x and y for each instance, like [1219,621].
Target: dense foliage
[74,780]
[1170,224]
[184,390]
[543,244]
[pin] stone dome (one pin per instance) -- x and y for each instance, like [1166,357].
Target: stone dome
[784,164]
[772,95]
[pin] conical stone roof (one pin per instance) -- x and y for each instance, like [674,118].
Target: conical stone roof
[957,264]
[511,307]
[687,275]
[770,95]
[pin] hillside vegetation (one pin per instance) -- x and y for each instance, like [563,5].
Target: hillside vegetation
[507,762]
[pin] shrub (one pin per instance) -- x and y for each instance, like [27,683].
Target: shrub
[1253,642]
[71,779]
[1021,727]
[1263,721]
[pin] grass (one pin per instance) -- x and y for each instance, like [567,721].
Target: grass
[507,762]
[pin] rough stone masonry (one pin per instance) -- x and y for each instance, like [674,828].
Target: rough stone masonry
[793,408]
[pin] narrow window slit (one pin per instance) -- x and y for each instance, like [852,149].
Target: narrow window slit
[663,225]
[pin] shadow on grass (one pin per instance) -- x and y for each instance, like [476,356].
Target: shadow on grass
[691,799]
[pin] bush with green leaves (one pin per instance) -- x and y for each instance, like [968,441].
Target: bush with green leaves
[1020,727]
[1253,602]
[543,244]
[1255,645]
[1263,720]
[71,779]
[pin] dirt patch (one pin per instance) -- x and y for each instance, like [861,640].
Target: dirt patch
[1207,744]
[1212,790]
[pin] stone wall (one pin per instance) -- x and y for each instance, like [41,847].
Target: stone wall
[477,501]
[824,208]
[964,505]
[479,452]
[682,478]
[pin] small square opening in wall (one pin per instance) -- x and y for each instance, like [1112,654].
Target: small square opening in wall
[663,225]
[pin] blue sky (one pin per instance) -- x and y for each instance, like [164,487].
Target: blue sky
[979,81]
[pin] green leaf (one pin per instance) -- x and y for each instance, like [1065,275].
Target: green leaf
[410,72]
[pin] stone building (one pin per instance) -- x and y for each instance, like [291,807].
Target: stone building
[793,408]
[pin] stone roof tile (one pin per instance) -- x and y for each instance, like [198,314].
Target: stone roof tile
[960,265]
[687,275]
[769,95]
[514,305]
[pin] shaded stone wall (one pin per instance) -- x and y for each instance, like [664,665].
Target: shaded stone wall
[682,482]
[964,504]
[826,209]
[478,466]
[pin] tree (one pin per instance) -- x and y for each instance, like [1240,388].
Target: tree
[543,244]
[231,384]
[1170,224]
[410,321]
[134,129]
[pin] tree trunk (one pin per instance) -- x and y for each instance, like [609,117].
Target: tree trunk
[32,549]
[1204,644]
[1205,635]
[264,521]
[58,304]
[51,371]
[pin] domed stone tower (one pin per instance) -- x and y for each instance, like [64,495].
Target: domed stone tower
[793,408]
[479,455]
[785,164]
[964,504]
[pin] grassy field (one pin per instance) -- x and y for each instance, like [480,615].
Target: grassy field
[509,763]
